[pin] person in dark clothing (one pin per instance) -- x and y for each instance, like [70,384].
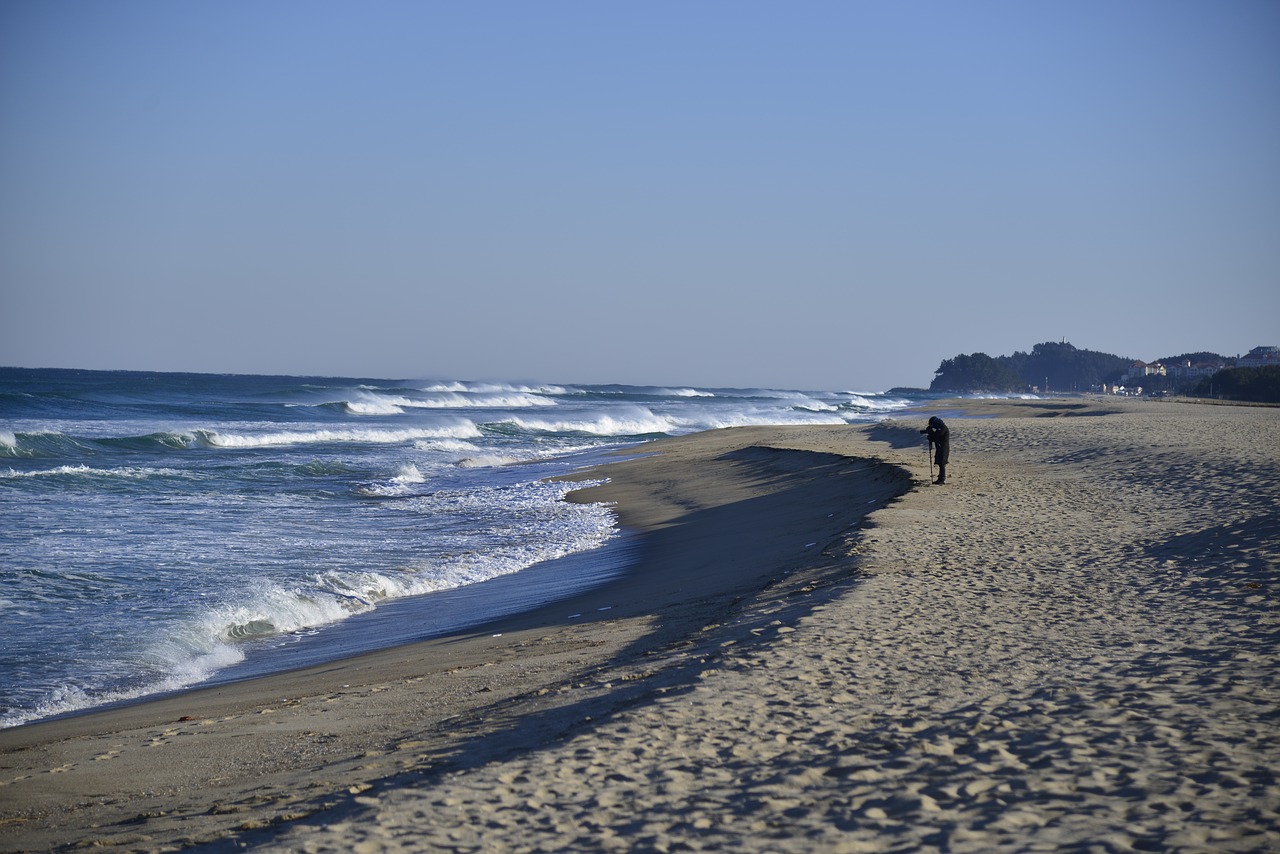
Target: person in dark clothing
[940,438]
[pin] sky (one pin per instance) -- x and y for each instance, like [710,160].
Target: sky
[808,195]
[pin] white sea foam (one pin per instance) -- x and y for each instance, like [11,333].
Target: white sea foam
[510,400]
[629,421]
[274,611]
[490,460]
[875,402]
[816,406]
[372,404]
[130,472]
[181,672]
[403,483]
[375,404]
[494,388]
[461,429]
[756,418]
[532,524]
[449,446]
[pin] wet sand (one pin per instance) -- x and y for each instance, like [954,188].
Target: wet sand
[1070,645]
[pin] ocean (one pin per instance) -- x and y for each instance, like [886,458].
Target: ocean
[165,530]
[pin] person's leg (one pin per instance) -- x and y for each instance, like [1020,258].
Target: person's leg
[942,473]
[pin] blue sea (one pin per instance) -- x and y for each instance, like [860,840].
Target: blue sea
[164,530]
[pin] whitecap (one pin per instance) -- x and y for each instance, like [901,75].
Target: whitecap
[403,483]
[458,446]
[461,430]
[630,421]
[494,388]
[130,472]
[490,461]
[372,404]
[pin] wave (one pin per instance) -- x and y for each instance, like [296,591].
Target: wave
[274,611]
[374,404]
[178,674]
[816,406]
[873,402]
[402,484]
[494,388]
[630,421]
[461,429]
[637,421]
[491,460]
[165,440]
[446,445]
[532,524]
[512,400]
[323,468]
[773,417]
[40,443]
[470,455]
[539,525]
[52,443]
[129,472]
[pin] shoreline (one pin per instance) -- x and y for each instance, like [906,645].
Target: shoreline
[1073,643]
[89,776]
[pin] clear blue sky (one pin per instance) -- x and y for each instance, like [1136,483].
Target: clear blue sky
[823,195]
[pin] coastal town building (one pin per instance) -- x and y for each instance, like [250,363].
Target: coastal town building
[1259,357]
[1176,376]
[1186,370]
[1141,369]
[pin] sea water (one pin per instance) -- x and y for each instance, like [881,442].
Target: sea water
[161,530]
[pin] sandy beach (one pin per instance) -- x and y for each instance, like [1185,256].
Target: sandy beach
[1070,646]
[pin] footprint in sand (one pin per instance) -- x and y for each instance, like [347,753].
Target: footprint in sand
[163,738]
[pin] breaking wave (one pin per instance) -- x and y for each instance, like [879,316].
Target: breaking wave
[129,472]
[630,421]
[462,429]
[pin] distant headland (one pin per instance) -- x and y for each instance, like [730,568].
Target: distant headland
[1058,367]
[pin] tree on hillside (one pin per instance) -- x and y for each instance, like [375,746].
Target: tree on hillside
[1194,358]
[975,372]
[1257,385]
[1067,368]
[1062,366]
